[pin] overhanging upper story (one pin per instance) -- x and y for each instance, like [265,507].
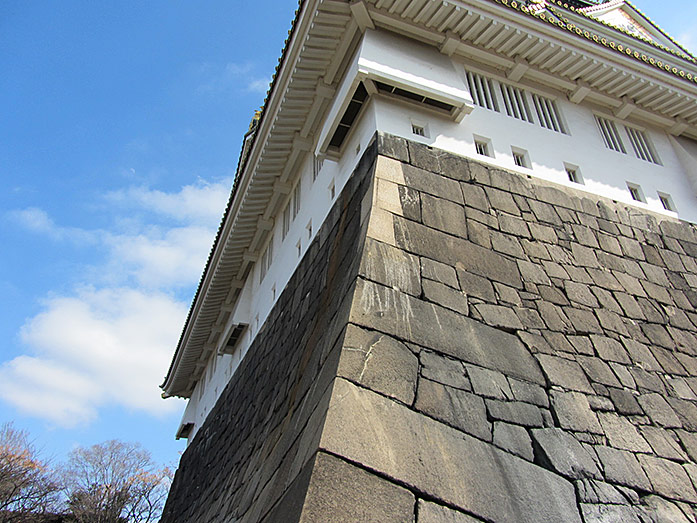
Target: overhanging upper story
[332,68]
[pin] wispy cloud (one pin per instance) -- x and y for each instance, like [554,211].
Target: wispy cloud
[201,202]
[38,221]
[110,340]
[259,86]
[231,77]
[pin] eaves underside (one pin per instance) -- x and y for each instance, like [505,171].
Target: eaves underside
[304,83]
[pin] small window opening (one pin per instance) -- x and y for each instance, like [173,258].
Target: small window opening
[298,247]
[286,221]
[520,157]
[296,199]
[332,190]
[316,167]
[636,192]
[666,201]
[573,173]
[418,130]
[482,146]
[309,230]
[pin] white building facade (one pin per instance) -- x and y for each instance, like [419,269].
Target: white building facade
[585,95]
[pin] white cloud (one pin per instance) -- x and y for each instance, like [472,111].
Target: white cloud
[260,85]
[109,341]
[34,219]
[97,348]
[199,203]
[157,259]
[229,78]
[38,221]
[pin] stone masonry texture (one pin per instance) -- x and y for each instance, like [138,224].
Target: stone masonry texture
[464,343]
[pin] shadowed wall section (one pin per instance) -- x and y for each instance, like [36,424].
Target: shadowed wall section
[486,347]
[266,425]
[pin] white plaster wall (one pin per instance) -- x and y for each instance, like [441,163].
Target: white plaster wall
[605,172]
[256,299]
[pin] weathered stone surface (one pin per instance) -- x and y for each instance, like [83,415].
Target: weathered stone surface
[609,349]
[561,452]
[393,147]
[418,179]
[349,493]
[658,510]
[446,296]
[529,393]
[421,240]
[439,272]
[621,433]
[622,467]
[395,268]
[514,439]
[658,409]
[598,492]
[398,199]
[515,412]
[444,370]
[455,468]
[625,402]
[663,443]
[598,371]
[378,307]
[489,383]
[564,373]
[380,363]
[455,407]
[266,425]
[443,215]
[574,413]
[475,197]
[668,478]
[609,514]
[476,286]
[498,316]
[456,256]
[432,513]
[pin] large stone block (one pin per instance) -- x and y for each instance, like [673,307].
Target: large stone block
[460,409]
[563,453]
[432,513]
[427,324]
[457,252]
[380,363]
[434,458]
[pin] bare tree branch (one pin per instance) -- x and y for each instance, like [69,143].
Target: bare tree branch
[27,485]
[115,482]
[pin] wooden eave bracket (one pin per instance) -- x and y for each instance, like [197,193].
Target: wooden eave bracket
[680,127]
[580,93]
[264,225]
[362,16]
[450,43]
[517,72]
[624,110]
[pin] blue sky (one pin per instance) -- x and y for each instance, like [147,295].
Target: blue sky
[120,129]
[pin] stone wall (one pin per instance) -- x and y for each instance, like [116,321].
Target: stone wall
[266,424]
[507,350]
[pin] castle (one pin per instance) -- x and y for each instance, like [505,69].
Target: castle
[456,279]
